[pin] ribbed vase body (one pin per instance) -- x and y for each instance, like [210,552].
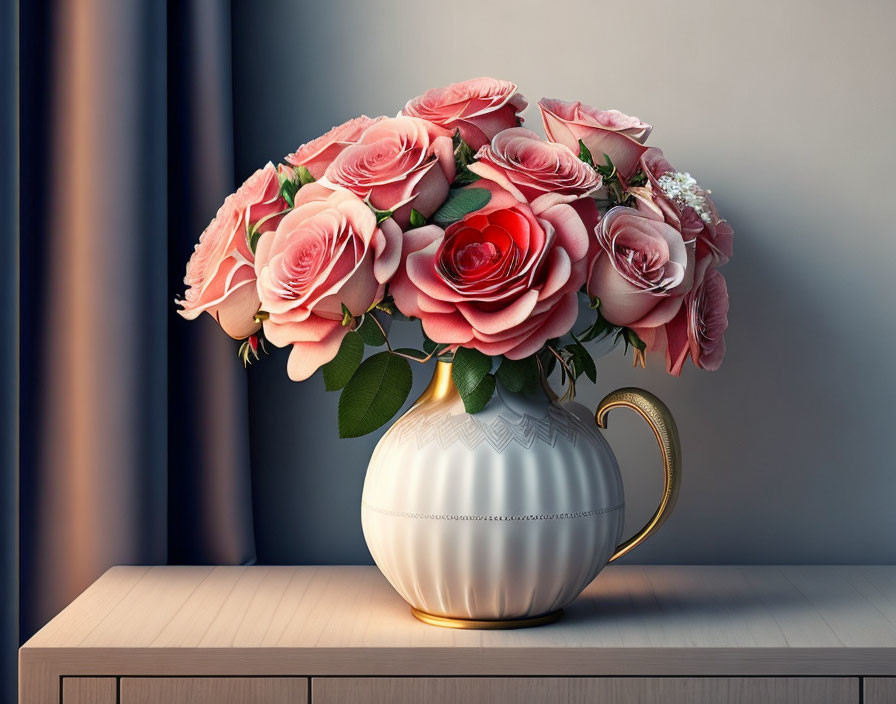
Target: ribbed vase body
[505,514]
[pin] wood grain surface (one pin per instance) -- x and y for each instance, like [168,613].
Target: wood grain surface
[319,621]
[213,690]
[879,690]
[573,690]
[89,690]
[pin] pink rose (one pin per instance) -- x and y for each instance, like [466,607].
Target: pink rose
[609,132]
[503,280]
[527,166]
[398,163]
[642,271]
[319,153]
[698,330]
[479,108]
[323,255]
[688,207]
[220,274]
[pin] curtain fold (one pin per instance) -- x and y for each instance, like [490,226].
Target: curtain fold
[210,504]
[9,349]
[134,444]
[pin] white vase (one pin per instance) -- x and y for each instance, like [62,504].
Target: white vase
[501,518]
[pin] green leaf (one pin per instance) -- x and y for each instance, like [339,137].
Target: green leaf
[465,177]
[339,370]
[608,170]
[471,376]
[469,369]
[433,348]
[635,341]
[254,236]
[585,154]
[582,361]
[480,395]
[638,179]
[620,335]
[374,394]
[599,328]
[417,219]
[463,152]
[411,352]
[288,190]
[463,202]
[381,215]
[304,175]
[347,316]
[370,332]
[518,374]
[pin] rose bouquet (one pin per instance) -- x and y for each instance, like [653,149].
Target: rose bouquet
[512,252]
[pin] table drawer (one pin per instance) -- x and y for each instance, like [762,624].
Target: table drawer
[89,690]
[213,690]
[879,690]
[584,690]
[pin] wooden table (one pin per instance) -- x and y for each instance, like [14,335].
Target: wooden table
[290,635]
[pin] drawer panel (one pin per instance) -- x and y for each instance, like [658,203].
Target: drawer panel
[214,690]
[879,690]
[89,690]
[584,690]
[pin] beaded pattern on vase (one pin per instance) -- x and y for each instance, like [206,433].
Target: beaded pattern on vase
[494,517]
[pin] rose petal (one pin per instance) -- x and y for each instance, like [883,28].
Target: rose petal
[557,323]
[236,315]
[387,248]
[450,328]
[571,232]
[502,318]
[307,357]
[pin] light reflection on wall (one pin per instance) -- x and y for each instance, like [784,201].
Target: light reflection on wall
[751,99]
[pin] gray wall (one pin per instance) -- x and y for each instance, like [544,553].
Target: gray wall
[786,110]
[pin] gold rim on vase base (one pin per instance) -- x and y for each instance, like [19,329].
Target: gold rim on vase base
[486,624]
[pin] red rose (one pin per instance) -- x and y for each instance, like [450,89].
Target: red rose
[503,280]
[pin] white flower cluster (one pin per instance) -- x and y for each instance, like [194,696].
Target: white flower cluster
[685,191]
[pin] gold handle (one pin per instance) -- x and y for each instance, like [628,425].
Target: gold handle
[660,420]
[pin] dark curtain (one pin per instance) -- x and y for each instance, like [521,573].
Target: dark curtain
[133,439]
[9,348]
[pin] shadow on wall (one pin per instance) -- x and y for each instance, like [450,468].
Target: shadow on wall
[781,446]
[306,481]
[787,449]
[778,444]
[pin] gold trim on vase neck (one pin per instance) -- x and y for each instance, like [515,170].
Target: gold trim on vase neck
[441,387]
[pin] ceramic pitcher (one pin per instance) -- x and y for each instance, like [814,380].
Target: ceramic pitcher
[501,518]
